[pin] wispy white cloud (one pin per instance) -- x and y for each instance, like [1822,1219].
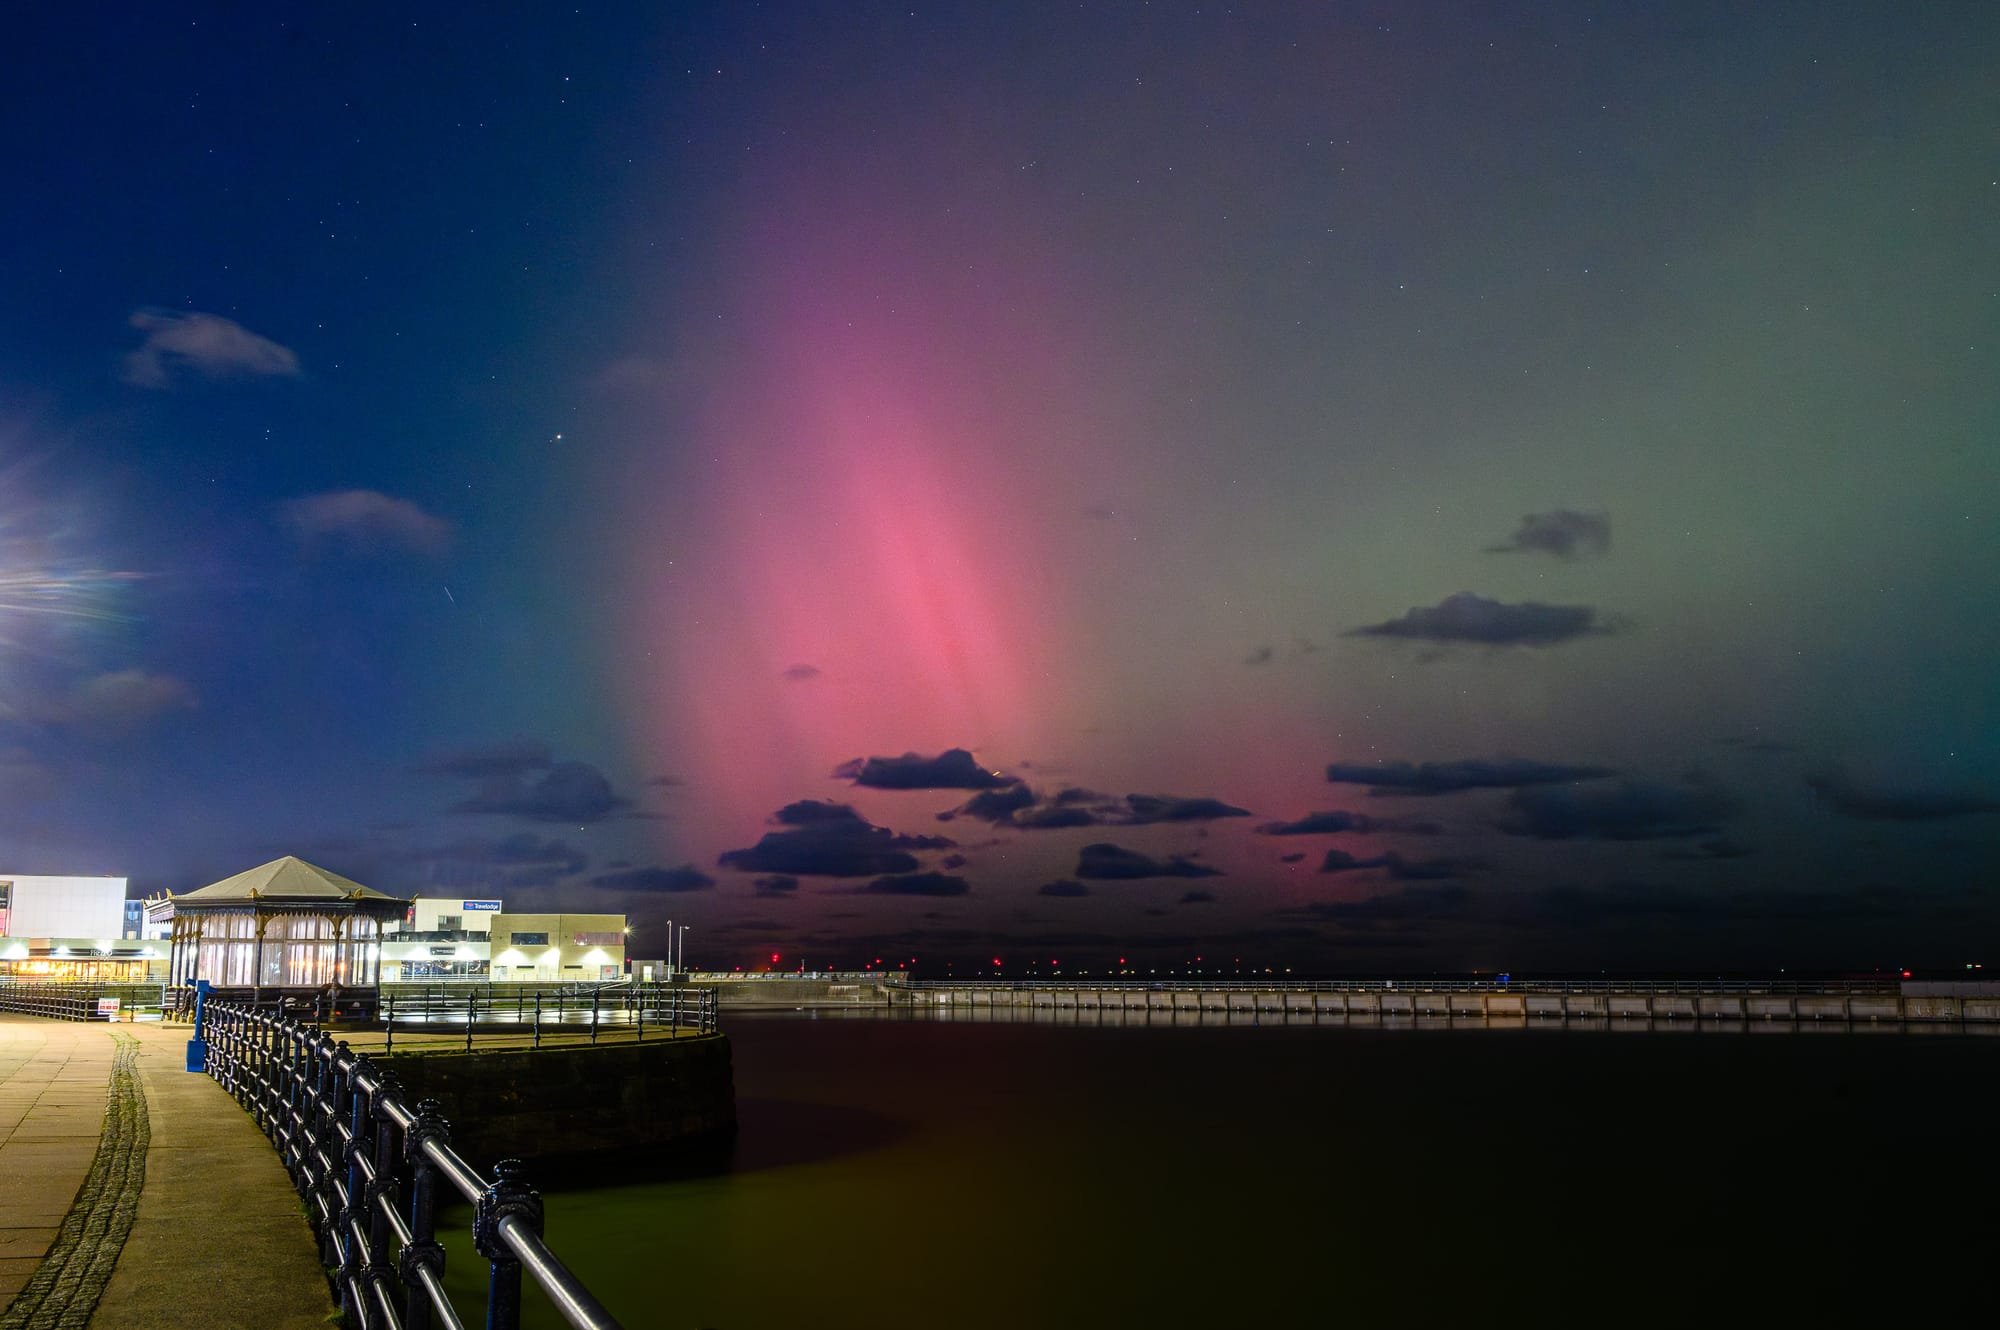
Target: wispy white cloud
[206,344]
[366,522]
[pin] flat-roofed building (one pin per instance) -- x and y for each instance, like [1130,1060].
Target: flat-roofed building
[70,927]
[543,947]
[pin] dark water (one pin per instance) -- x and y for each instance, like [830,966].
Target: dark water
[955,1175]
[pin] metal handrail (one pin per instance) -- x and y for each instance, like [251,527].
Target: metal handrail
[353,1146]
[670,1008]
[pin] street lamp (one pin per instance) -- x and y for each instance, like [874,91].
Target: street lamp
[684,943]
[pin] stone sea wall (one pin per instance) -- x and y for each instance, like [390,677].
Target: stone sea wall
[627,1098]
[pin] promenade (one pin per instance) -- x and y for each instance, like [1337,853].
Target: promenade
[135,1196]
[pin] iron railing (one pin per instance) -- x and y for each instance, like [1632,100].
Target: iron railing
[370,1168]
[76,1002]
[1777,987]
[665,1009]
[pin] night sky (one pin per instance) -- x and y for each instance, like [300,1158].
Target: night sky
[1353,487]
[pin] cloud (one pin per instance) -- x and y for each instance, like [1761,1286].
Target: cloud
[1198,898]
[1720,848]
[1627,810]
[996,805]
[776,884]
[515,757]
[830,840]
[685,878]
[1469,618]
[1114,863]
[1064,887]
[1261,656]
[1885,802]
[1430,778]
[1319,824]
[918,884]
[564,792]
[1430,870]
[121,703]
[365,522]
[207,344]
[1340,861]
[523,859]
[953,769]
[1563,533]
[1147,808]
[800,673]
[1404,905]
[1291,858]
[1016,805]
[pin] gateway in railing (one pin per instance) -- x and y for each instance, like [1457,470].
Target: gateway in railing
[370,1167]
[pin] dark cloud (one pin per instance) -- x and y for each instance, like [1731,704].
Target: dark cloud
[1147,808]
[1625,810]
[515,757]
[1198,898]
[805,812]
[521,860]
[1062,887]
[1430,870]
[1469,618]
[1403,905]
[1340,861]
[1114,863]
[565,792]
[998,805]
[1720,848]
[801,673]
[1261,656]
[830,840]
[685,878]
[1883,802]
[918,884]
[1319,824]
[951,861]
[777,884]
[1563,533]
[953,769]
[1291,858]
[1018,806]
[1428,778]
[1052,817]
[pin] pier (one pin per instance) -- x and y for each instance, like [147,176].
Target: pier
[1481,1002]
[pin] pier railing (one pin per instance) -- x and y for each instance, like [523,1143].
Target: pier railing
[663,1010]
[1271,984]
[78,1002]
[371,1168]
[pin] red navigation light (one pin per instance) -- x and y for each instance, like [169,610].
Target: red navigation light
[996,962]
[774,958]
[1906,974]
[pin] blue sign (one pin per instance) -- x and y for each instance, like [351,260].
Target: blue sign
[481,905]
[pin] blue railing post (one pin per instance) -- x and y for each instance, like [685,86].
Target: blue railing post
[508,1197]
[423,1253]
[197,1047]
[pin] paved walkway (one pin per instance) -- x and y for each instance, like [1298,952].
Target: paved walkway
[130,1184]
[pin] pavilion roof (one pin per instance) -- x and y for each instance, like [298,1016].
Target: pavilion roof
[286,879]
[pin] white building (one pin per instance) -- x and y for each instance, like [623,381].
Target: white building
[63,927]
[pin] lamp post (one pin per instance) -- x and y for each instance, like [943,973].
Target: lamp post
[670,951]
[684,946]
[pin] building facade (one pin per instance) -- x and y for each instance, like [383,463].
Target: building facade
[63,928]
[443,939]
